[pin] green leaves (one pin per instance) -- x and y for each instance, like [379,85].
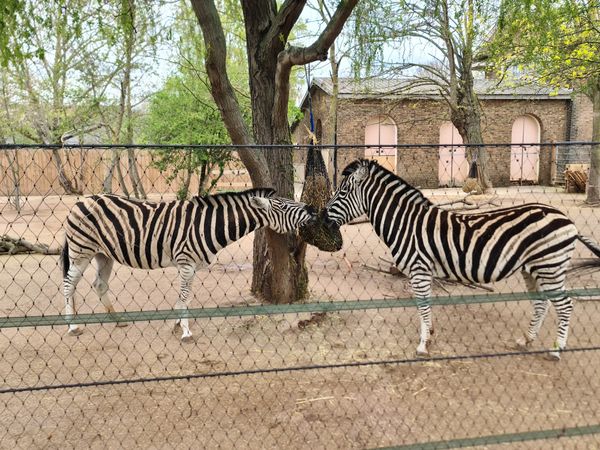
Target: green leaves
[557,42]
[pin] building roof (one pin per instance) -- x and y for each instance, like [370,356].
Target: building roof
[398,88]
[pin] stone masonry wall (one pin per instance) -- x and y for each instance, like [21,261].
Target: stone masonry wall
[419,121]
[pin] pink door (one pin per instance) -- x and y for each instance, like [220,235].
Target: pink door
[381,135]
[453,164]
[525,159]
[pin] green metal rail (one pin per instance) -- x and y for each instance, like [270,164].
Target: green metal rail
[268,310]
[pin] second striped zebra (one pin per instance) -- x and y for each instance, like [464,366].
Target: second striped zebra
[427,241]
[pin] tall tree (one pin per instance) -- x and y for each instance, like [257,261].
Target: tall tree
[279,272]
[133,34]
[184,112]
[340,49]
[12,161]
[64,57]
[454,31]
[557,43]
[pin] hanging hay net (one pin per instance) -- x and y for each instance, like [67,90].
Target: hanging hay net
[317,192]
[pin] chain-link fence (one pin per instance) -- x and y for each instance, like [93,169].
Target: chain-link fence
[338,370]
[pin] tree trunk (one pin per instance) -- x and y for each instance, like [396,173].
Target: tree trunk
[62,176]
[466,117]
[14,194]
[593,188]
[137,187]
[279,274]
[333,113]
[108,175]
[479,154]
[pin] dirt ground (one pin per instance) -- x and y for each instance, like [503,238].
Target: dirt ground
[346,407]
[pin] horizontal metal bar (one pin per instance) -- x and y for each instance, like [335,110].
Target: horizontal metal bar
[268,310]
[276,146]
[502,438]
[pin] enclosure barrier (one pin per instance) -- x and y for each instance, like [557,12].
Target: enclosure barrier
[337,370]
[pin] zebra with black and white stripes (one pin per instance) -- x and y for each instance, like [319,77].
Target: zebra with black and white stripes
[146,235]
[427,241]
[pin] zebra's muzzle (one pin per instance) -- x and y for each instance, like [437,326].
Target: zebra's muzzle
[329,223]
[313,215]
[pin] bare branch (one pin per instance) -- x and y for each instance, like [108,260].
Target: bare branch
[223,92]
[294,56]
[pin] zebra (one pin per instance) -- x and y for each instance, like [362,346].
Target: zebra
[427,241]
[146,235]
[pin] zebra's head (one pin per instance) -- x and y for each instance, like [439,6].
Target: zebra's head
[348,201]
[283,215]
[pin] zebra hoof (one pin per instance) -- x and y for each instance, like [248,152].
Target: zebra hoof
[422,352]
[523,344]
[553,356]
[121,324]
[74,332]
[186,339]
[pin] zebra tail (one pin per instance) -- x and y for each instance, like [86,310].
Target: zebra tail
[64,257]
[590,244]
[582,267]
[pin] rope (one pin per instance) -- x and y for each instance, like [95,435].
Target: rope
[269,310]
[277,370]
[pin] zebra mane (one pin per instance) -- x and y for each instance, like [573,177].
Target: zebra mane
[254,192]
[374,166]
[351,168]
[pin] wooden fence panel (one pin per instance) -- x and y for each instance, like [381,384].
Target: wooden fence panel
[87,168]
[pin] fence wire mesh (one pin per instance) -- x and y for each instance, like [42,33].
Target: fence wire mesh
[338,370]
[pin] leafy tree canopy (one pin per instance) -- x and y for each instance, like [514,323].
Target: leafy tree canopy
[555,42]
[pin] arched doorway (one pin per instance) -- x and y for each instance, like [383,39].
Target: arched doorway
[453,165]
[381,136]
[525,149]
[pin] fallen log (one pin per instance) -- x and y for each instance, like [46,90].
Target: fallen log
[15,246]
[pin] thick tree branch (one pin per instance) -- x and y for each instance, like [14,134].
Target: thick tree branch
[223,92]
[286,18]
[296,56]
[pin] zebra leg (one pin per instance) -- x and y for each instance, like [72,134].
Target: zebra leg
[103,272]
[564,306]
[186,276]
[421,287]
[74,275]
[540,308]
[553,284]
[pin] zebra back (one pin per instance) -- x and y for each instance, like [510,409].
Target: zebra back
[149,235]
[478,247]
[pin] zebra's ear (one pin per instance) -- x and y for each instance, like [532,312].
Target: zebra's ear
[260,203]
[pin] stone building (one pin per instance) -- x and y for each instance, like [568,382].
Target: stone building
[411,132]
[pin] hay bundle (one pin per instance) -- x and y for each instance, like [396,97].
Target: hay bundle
[317,192]
[575,180]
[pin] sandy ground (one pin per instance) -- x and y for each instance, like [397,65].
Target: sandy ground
[346,407]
